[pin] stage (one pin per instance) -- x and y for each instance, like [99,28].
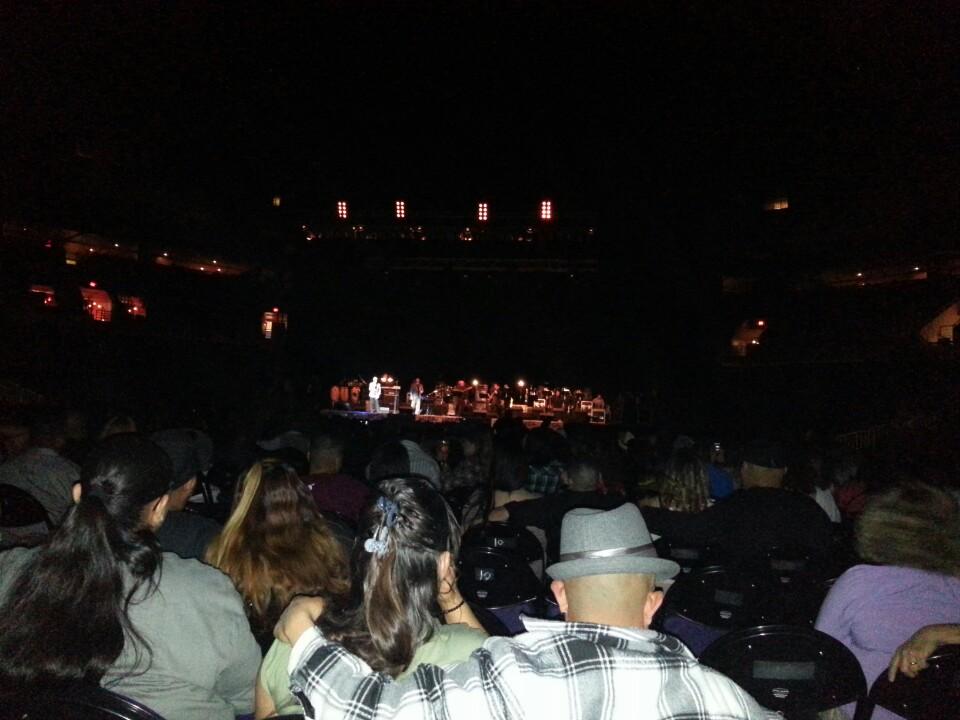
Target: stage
[365,417]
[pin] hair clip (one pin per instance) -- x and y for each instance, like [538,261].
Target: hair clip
[375,547]
[390,511]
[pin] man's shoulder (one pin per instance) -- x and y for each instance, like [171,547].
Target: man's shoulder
[547,635]
[187,534]
[192,575]
[636,666]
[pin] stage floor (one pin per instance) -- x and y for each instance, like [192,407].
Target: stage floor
[363,416]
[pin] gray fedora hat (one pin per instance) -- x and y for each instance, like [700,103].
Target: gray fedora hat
[615,542]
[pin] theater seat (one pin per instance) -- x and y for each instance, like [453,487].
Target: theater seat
[795,671]
[71,701]
[502,583]
[709,602]
[933,695]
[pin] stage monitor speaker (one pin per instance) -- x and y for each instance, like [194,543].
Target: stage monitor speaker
[390,398]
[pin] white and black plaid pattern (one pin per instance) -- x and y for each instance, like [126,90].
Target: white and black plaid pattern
[556,670]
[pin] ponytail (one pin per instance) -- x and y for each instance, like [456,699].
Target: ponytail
[66,616]
[393,607]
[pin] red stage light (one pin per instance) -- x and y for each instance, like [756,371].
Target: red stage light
[546,210]
[342,213]
[401,209]
[483,212]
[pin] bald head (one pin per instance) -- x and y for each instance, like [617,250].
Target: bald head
[622,600]
[753,476]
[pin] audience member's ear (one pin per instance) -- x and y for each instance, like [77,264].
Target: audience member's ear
[651,605]
[560,593]
[76,491]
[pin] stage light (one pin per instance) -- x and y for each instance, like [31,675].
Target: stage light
[342,212]
[116,244]
[754,342]
[916,268]
[166,254]
[214,262]
[401,209]
[521,383]
[859,274]
[276,310]
[93,283]
[546,210]
[483,212]
[475,382]
[760,323]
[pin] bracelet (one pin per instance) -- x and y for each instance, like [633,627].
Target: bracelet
[455,607]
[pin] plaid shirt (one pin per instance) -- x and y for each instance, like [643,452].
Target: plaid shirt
[544,479]
[556,670]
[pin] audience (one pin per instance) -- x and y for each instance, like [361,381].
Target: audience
[99,602]
[911,657]
[275,545]
[509,478]
[404,609]
[41,470]
[602,656]
[400,458]
[14,439]
[761,515]
[188,534]
[334,491]
[117,425]
[584,482]
[806,476]
[684,485]
[910,536]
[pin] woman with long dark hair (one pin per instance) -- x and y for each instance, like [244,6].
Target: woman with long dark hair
[275,545]
[100,603]
[404,608]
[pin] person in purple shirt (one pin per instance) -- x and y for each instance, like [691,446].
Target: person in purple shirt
[911,536]
[332,490]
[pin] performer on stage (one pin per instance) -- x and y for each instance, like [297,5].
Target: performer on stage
[416,393]
[373,390]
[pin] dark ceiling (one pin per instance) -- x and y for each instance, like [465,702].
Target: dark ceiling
[183,119]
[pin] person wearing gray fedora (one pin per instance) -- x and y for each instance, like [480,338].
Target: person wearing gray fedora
[607,565]
[601,663]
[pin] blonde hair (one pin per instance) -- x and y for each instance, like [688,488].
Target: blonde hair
[911,525]
[275,544]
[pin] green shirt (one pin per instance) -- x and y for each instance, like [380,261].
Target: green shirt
[449,645]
